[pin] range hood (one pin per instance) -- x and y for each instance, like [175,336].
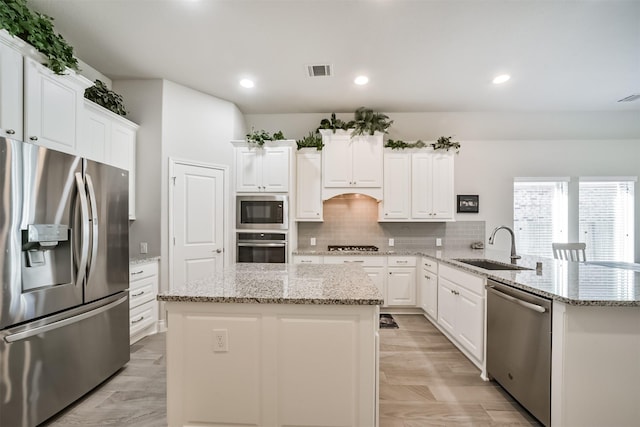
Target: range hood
[351,193]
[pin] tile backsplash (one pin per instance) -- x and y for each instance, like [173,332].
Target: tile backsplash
[353,220]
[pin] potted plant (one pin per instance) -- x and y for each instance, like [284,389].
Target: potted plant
[334,124]
[37,29]
[261,136]
[313,140]
[101,95]
[369,122]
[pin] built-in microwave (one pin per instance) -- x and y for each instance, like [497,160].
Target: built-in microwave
[265,212]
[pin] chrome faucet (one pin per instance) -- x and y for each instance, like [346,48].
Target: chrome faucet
[513,241]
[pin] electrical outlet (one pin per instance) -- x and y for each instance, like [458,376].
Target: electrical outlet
[392,242]
[313,241]
[438,241]
[144,247]
[220,341]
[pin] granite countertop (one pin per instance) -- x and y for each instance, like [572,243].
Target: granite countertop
[142,259]
[574,283]
[315,284]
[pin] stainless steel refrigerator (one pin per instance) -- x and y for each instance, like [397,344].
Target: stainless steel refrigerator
[64,258]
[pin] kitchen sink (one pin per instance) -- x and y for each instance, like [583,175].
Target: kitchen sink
[488,264]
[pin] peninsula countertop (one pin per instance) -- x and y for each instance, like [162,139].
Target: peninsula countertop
[574,283]
[281,284]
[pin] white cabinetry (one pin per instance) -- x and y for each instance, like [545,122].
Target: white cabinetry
[11,77]
[52,107]
[111,139]
[309,185]
[263,169]
[307,259]
[428,294]
[351,165]
[401,281]
[461,310]
[418,186]
[432,186]
[143,288]
[374,266]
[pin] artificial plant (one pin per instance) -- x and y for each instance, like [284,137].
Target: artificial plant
[101,95]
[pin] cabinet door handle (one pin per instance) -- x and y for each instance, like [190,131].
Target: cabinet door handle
[427,277]
[33,138]
[10,131]
[137,320]
[138,294]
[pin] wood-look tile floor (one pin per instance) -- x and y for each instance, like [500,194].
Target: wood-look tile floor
[424,381]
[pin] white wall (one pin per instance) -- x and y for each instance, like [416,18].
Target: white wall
[143,100]
[496,147]
[175,122]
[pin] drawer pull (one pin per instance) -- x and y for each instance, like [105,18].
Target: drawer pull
[137,272]
[137,320]
[306,261]
[350,262]
[401,262]
[138,294]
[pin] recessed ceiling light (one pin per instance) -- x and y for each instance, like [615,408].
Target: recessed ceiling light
[247,83]
[501,79]
[361,80]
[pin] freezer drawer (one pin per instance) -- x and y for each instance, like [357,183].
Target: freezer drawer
[48,364]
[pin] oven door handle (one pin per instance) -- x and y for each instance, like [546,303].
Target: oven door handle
[262,245]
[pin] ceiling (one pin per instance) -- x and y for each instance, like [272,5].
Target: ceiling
[420,55]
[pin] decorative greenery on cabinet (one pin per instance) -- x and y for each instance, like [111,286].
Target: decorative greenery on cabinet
[366,122]
[313,140]
[261,136]
[442,143]
[36,29]
[101,95]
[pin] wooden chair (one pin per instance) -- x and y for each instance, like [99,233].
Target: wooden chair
[570,251]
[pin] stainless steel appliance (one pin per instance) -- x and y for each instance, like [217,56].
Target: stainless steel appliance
[519,346]
[262,247]
[64,307]
[264,212]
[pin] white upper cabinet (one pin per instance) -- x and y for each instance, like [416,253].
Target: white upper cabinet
[263,169]
[351,165]
[109,138]
[432,186]
[397,186]
[11,75]
[52,107]
[418,186]
[309,185]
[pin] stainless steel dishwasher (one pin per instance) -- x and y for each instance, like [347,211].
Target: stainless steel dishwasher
[519,346]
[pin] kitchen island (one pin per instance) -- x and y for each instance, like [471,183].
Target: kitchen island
[274,345]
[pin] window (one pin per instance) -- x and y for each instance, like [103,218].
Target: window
[539,214]
[606,218]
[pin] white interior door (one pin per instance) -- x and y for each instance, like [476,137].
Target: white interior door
[198,222]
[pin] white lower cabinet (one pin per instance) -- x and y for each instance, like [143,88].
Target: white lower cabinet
[401,281]
[374,266]
[428,288]
[461,310]
[143,289]
[307,259]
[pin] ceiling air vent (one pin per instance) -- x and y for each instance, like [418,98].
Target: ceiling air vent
[630,98]
[319,70]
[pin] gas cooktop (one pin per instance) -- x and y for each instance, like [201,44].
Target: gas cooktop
[352,248]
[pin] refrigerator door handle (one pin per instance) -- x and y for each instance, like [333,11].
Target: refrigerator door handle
[84,212]
[94,224]
[19,336]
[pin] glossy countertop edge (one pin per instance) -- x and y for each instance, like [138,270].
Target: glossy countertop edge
[449,257]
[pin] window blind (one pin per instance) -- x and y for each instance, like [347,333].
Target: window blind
[539,215]
[606,219]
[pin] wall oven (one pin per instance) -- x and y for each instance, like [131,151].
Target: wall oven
[265,212]
[262,247]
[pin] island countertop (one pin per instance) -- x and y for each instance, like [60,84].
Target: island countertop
[257,283]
